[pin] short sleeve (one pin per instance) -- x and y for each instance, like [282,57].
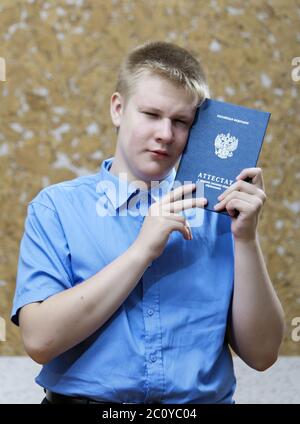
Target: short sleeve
[44,264]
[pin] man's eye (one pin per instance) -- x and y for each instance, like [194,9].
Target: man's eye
[180,122]
[151,114]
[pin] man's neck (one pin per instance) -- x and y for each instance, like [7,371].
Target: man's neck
[127,176]
[123,174]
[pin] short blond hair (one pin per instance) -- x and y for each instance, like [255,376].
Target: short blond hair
[167,60]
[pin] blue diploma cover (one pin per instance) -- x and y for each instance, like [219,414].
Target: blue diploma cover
[223,140]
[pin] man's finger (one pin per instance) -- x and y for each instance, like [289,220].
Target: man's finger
[181,205]
[255,174]
[178,193]
[243,187]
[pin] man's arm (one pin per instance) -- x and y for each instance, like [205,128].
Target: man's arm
[256,325]
[67,318]
[257,319]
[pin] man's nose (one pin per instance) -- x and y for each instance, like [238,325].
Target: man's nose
[165,130]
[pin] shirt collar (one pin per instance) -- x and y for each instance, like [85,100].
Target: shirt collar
[119,190]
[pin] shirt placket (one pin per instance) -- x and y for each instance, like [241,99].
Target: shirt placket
[153,331]
[153,336]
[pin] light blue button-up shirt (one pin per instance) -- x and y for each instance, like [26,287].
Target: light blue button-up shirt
[166,342]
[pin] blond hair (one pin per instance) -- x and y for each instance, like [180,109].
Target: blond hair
[167,60]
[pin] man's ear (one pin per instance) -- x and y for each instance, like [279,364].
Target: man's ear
[116,108]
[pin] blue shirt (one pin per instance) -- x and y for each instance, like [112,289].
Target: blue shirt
[166,342]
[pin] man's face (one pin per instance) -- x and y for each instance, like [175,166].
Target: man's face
[153,127]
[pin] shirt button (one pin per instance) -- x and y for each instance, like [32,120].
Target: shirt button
[150,312]
[153,358]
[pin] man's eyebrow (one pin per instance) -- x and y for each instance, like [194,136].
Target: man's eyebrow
[178,115]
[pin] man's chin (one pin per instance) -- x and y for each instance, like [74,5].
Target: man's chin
[155,174]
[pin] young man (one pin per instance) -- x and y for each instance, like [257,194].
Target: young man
[122,301]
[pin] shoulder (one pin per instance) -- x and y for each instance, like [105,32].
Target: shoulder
[50,196]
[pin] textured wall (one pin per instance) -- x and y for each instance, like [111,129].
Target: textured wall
[62,59]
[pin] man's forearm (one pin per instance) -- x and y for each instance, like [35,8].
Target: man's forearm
[257,321]
[67,318]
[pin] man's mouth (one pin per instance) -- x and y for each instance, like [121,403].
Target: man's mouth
[159,152]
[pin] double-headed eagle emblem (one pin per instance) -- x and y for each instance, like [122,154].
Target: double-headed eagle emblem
[225,145]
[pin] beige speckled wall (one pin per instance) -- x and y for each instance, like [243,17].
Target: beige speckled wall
[62,58]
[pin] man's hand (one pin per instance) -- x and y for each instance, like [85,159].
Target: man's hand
[243,202]
[163,218]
